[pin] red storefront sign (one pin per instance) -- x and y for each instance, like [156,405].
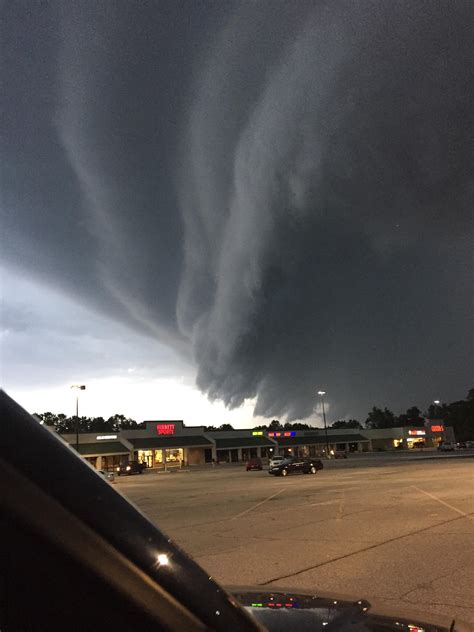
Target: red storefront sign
[165,429]
[437,428]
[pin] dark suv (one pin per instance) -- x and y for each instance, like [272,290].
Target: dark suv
[132,467]
[294,465]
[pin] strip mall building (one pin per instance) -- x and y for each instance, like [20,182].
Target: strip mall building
[166,444]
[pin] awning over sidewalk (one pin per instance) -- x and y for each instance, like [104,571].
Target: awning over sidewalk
[103,447]
[179,441]
[320,439]
[230,443]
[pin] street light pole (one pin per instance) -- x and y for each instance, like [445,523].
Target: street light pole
[322,394]
[80,387]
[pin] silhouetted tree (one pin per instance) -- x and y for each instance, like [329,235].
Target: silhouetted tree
[275,425]
[351,423]
[378,418]
[412,417]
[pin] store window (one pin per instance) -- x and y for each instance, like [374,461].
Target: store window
[146,456]
[110,463]
[174,455]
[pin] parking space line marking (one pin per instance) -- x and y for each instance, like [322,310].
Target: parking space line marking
[342,503]
[324,502]
[459,511]
[258,504]
[363,550]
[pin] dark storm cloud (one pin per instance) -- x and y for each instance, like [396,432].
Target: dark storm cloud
[281,187]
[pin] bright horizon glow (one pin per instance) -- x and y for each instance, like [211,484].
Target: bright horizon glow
[158,399]
[53,343]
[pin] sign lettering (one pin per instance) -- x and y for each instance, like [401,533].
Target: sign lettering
[165,429]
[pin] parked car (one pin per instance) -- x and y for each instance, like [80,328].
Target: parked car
[469,445]
[254,464]
[132,467]
[447,446]
[276,460]
[109,476]
[295,465]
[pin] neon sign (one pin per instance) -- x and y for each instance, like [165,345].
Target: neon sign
[165,429]
[417,433]
[257,433]
[105,437]
[437,428]
[282,434]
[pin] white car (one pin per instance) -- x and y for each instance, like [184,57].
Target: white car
[447,446]
[108,476]
[275,460]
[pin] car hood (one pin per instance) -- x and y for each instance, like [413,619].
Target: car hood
[285,610]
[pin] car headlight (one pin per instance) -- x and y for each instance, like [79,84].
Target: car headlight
[128,468]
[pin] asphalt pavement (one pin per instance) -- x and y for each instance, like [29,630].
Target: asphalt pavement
[398,532]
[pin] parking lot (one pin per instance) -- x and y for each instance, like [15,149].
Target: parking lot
[396,531]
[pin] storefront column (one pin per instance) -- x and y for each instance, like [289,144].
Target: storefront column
[259,452]
[239,454]
[98,463]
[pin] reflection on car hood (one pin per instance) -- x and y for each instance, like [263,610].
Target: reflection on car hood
[283,611]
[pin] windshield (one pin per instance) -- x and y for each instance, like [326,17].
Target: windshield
[239,235]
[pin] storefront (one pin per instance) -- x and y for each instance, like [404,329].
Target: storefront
[172,452]
[171,444]
[106,455]
[234,449]
[311,445]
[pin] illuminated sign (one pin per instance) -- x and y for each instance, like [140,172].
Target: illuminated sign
[437,428]
[257,433]
[417,433]
[105,437]
[165,429]
[282,434]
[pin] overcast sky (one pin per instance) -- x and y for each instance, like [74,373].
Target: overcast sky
[235,204]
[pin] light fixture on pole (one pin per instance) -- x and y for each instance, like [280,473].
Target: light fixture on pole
[80,387]
[322,394]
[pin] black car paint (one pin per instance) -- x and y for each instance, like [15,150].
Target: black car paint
[135,468]
[295,465]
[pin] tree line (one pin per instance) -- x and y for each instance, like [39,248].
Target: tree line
[459,415]
[64,424]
